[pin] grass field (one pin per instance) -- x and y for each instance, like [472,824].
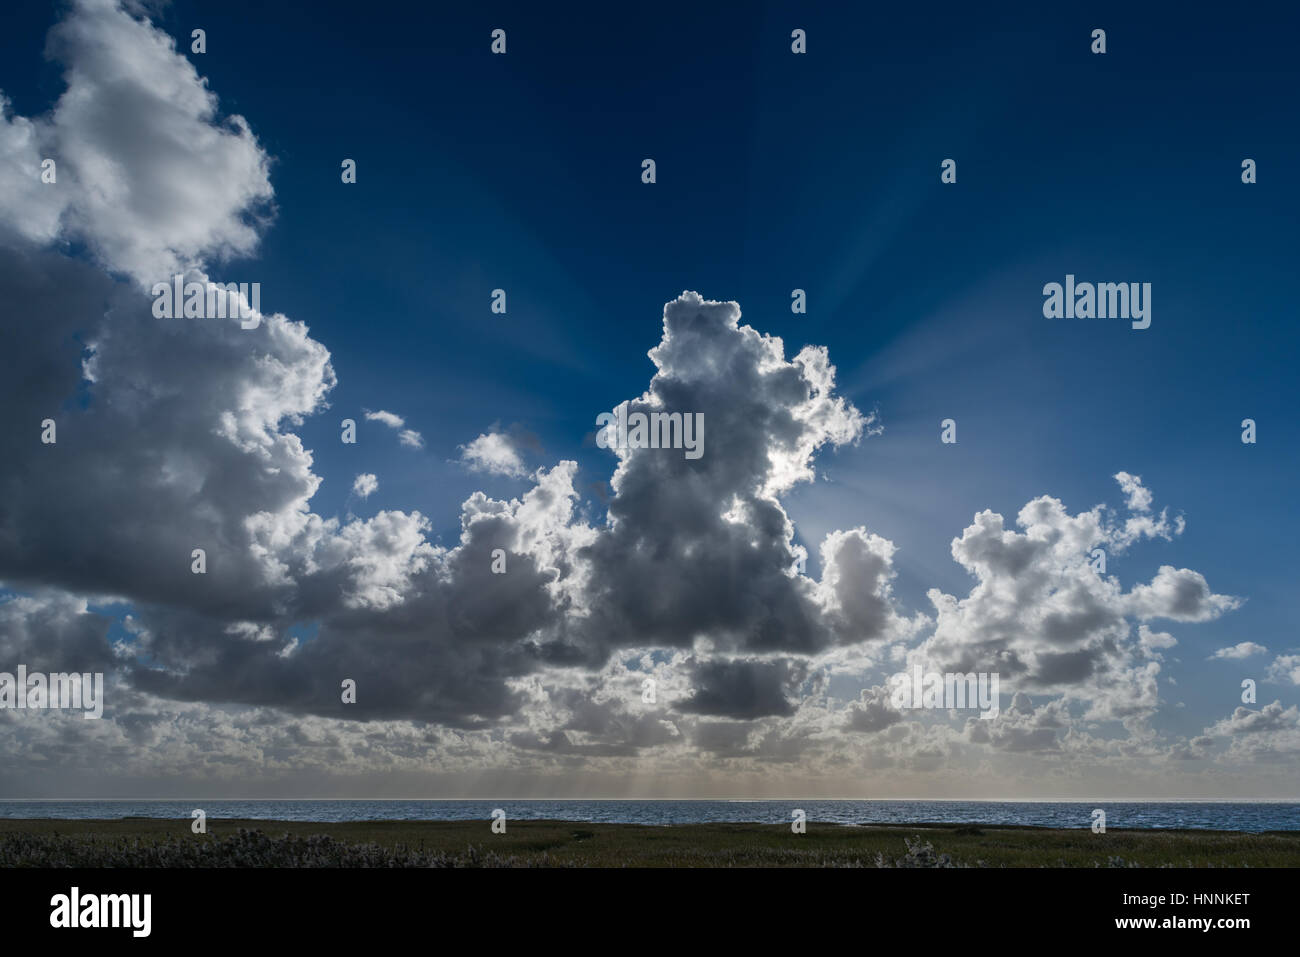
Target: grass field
[152,842]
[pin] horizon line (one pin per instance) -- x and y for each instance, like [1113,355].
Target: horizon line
[713,800]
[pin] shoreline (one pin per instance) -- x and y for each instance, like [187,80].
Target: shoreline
[245,842]
[299,823]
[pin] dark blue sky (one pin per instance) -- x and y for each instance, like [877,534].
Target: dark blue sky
[778,171]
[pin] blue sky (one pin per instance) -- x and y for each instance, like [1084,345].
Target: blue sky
[775,172]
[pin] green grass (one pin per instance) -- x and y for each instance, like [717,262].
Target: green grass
[580,844]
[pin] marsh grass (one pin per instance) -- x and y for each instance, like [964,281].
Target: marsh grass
[243,843]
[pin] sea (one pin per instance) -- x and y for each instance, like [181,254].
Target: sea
[1224,816]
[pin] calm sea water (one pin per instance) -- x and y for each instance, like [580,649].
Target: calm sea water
[1218,816]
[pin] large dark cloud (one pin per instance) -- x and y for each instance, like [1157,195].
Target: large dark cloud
[702,547]
[745,689]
